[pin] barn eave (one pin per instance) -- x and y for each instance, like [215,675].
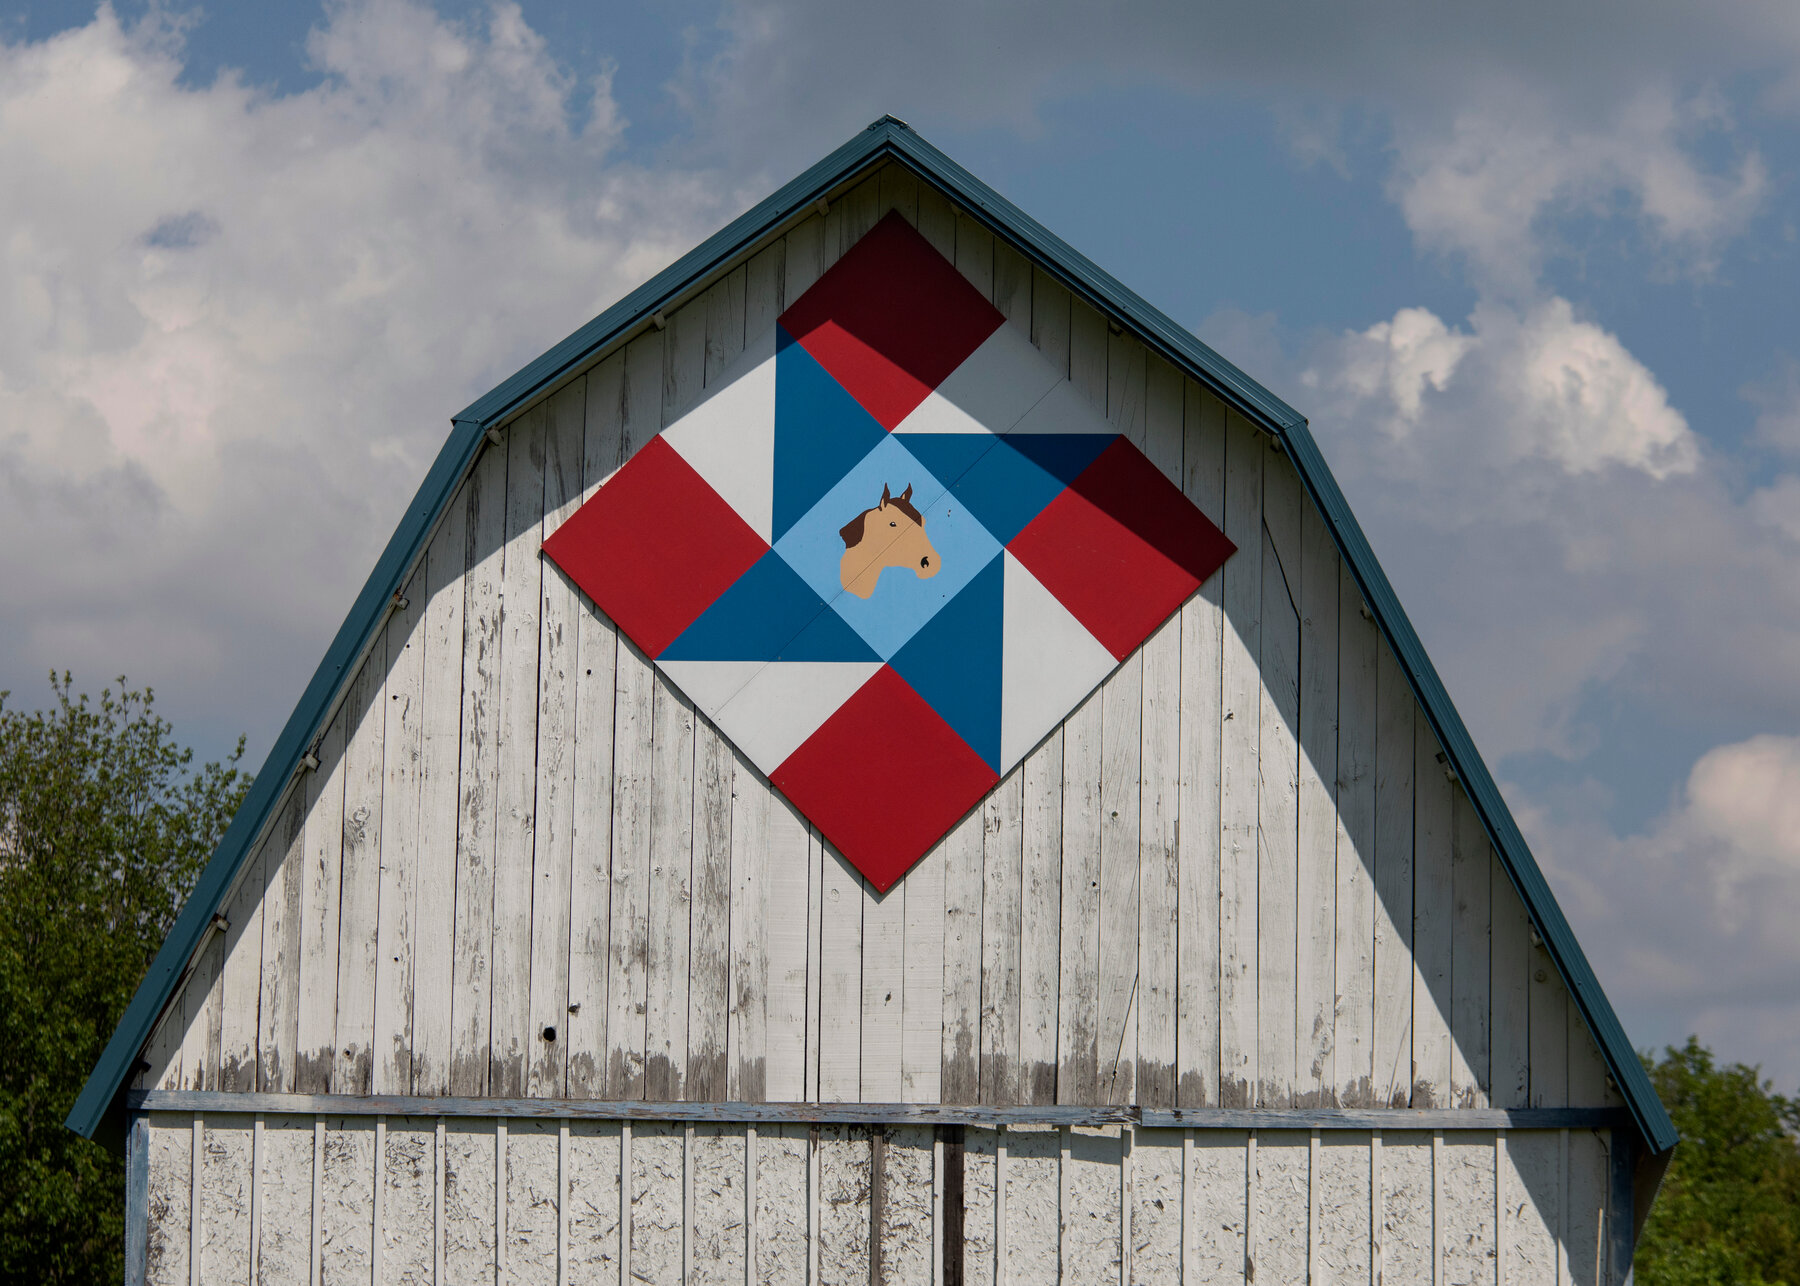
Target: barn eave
[99,1111]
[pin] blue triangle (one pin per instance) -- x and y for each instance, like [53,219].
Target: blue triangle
[947,455]
[1063,455]
[1010,485]
[820,433]
[954,662]
[768,614]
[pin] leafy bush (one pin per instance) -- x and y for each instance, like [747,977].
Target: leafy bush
[1729,1210]
[104,827]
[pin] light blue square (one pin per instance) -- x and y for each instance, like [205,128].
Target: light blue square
[902,602]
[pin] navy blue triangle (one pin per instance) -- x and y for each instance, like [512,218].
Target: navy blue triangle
[768,614]
[820,433]
[947,455]
[954,662]
[1063,455]
[1010,485]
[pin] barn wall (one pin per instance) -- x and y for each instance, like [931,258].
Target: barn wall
[1237,875]
[410,1200]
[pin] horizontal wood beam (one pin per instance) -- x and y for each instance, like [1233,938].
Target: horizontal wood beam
[1547,1118]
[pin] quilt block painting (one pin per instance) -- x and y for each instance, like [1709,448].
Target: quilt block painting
[889,551]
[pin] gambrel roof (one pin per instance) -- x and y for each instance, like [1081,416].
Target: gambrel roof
[99,1107]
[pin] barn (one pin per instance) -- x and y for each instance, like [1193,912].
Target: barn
[878,759]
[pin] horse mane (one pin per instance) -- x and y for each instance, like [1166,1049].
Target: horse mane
[852,531]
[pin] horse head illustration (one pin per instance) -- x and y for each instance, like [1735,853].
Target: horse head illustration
[892,534]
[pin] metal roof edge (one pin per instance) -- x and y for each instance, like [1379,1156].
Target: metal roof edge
[892,136]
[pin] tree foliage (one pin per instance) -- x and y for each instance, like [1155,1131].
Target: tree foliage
[1729,1210]
[104,826]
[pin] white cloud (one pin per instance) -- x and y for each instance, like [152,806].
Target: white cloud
[1541,384]
[1486,184]
[233,326]
[1690,921]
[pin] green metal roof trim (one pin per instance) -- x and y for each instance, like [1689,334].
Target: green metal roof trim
[99,1108]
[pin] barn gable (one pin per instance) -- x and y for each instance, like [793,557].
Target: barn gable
[1261,867]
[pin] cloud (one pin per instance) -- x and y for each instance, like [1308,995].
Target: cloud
[1542,384]
[1485,185]
[233,326]
[1690,921]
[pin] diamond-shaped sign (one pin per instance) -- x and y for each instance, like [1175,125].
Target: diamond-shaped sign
[889,551]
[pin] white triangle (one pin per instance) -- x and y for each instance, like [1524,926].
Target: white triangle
[1062,410]
[729,435]
[1049,663]
[995,385]
[785,703]
[710,684]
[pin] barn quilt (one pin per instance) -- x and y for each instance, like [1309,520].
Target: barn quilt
[889,551]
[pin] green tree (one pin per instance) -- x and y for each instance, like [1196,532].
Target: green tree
[1729,1210]
[104,827]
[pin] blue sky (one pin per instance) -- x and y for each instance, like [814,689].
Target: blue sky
[1530,273]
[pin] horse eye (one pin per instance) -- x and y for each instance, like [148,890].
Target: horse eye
[893,524]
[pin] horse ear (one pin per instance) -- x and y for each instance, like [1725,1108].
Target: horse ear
[907,494]
[884,496]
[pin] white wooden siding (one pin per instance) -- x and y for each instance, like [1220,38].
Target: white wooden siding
[1238,875]
[305,1199]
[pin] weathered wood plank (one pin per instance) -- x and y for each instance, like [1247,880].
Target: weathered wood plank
[803,257]
[961,1034]
[284,1250]
[1359,718]
[840,968]
[592,1189]
[937,221]
[1511,989]
[277,1017]
[408,1201]
[469,1172]
[591,865]
[1394,765]
[240,982]
[900,191]
[1159,791]
[1549,1031]
[1315,969]
[1241,699]
[635,684]
[224,1203]
[1433,910]
[1278,794]
[1471,952]
[396,916]
[883,992]
[478,781]
[440,750]
[365,711]
[975,254]
[553,824]
[510,1036]
[347,1182]
[710,914]
[750,991]
[922,1005]
[1198,833]
[316,1020]
[787,937]
[1040,919]
[715,770]
[671,789]
[1002,889]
